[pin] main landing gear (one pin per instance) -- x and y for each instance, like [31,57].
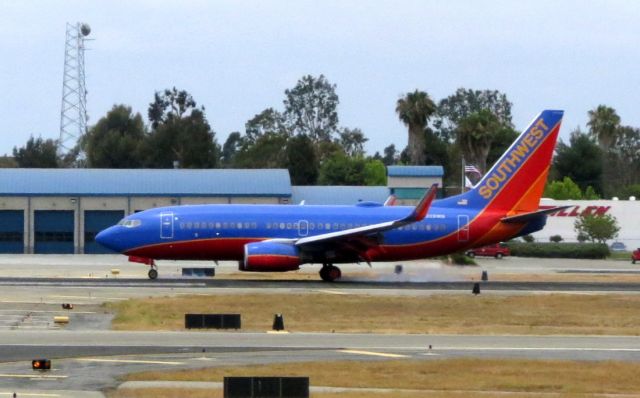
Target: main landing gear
[330,272]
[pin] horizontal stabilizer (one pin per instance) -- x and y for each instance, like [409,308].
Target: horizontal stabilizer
[530,216]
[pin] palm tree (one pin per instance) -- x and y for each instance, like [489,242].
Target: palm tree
[414,110]
[603,126]
[475,134]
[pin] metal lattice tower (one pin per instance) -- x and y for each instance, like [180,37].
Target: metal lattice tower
[73,115]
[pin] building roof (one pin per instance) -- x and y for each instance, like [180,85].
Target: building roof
[415,171]
[145,182]
[338,195]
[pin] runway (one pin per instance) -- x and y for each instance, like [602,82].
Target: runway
[221,283]
[88,357]
[93,359]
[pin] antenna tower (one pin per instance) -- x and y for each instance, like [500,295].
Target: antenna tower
[73,115]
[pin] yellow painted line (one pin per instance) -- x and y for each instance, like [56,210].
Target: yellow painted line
[277,332]
[31,376]
[332,292]
[376,354]
[129,361]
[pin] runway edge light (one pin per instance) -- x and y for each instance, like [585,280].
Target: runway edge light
[41,364]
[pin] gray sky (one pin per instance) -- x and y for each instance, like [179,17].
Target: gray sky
[238,57]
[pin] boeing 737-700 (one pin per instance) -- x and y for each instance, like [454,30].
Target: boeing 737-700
[503,205]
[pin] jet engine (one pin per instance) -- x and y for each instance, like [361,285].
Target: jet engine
[270,256]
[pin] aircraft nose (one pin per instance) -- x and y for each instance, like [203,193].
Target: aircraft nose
[107,239]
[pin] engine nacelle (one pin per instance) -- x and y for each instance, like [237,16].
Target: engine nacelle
[271,256]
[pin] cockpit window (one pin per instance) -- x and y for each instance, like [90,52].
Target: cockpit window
[131,223]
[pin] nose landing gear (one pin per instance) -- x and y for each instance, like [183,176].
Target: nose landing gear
[153,272]
[330,272]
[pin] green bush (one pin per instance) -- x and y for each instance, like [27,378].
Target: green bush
[458,258]
[555,238]
[528,238]
[559,250]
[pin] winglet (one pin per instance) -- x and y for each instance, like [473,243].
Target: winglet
[422,208]
[391,200]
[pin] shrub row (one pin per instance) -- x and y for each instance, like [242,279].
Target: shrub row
[559,250]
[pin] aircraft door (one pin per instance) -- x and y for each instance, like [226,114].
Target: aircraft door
[463,228]
[166,225]
[303,228]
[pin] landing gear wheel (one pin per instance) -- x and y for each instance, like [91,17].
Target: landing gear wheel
[153,273]
[330,273]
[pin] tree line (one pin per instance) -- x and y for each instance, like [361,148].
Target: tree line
[305,136]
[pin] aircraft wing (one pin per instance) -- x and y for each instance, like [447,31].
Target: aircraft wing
[529,216]
[418,213]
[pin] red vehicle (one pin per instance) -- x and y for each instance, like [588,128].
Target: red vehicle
[498,250]
[635,256]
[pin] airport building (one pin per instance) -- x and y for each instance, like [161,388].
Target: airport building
[626,212]
[61,210]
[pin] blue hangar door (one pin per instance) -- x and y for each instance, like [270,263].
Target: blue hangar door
[94,222]
[53,231]
[11,231]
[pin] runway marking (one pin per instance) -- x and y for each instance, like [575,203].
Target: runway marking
[539,349]
[129,361]
[376,354]
[333,292]
[91,297]
[31,376]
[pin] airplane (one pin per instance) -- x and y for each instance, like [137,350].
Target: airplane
[503,205]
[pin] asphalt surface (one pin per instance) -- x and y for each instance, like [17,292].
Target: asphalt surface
[92,360]
[305,284]
[88,357]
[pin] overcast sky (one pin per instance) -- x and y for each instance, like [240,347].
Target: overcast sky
[238,57]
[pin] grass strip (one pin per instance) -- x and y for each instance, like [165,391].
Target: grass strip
[446,377]
[451,313]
